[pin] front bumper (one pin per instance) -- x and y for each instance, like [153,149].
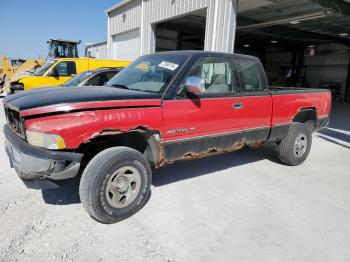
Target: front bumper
[38,164]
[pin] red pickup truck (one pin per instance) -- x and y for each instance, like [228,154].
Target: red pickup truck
[162,108]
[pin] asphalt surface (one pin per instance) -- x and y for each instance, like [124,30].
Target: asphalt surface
[242,206]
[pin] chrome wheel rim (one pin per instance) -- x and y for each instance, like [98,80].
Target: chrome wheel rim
[300,145]
[123,186]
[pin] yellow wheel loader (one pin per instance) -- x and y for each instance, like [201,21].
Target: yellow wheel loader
[59,48]
[17,69]
[8,69]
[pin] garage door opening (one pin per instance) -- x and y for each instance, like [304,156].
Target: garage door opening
[300,43]
[183,33]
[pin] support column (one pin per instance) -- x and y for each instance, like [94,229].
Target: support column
[142,28]
[147,31]
[109,40]
[221,26]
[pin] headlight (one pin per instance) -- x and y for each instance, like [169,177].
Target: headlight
[49,141]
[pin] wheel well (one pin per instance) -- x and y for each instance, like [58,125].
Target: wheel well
[145,142]
[305,115]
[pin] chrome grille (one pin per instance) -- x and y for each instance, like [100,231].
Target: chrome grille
[15,121]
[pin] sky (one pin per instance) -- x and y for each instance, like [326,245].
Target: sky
[26,25]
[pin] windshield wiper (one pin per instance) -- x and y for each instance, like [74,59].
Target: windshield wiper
[119,86]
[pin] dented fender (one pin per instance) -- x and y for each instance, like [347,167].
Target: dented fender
[77,128]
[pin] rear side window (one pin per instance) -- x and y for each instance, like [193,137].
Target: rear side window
[250,73]
[66,69]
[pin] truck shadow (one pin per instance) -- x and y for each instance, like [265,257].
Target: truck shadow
[68,193]
[194,168]
[65,194]
[331,140]
[335,134]
[335,137]
[340,117]
[339,126]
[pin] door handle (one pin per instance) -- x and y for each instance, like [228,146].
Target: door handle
[238,105]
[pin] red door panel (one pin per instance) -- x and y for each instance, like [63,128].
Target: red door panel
[206,116]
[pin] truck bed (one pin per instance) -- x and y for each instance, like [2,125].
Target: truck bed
[275,90]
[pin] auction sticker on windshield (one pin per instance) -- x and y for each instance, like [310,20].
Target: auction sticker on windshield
[168,65]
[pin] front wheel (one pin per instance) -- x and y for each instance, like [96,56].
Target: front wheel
[295,146]
[115,184]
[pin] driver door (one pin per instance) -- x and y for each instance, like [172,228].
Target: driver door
[61,73]
[211,119]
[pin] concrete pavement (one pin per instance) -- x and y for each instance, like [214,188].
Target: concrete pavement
[242,206]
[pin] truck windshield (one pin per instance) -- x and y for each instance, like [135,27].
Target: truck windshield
[42,70]
[78,79]
[150,73]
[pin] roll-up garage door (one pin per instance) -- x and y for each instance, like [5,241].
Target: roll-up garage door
[126,46]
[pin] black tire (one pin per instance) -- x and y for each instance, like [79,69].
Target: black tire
[96,198]
[288,149]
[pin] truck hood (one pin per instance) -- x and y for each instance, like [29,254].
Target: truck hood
[17,78]
[51,96]
[20,75]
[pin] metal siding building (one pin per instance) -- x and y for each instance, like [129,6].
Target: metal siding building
[132,24]
[98,50]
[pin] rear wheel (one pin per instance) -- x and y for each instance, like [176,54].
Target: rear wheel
[115,184]
[295,146]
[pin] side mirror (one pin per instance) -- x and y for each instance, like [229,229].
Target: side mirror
[54,72]
[195,85]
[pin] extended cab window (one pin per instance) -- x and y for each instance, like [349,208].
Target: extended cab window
[216,73]
[66,68]
[249,70]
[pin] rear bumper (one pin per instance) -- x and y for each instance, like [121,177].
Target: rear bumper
[38,164]
[322,122]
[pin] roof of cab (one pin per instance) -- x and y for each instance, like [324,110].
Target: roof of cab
[87,58]
[101,69]
[208,53]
